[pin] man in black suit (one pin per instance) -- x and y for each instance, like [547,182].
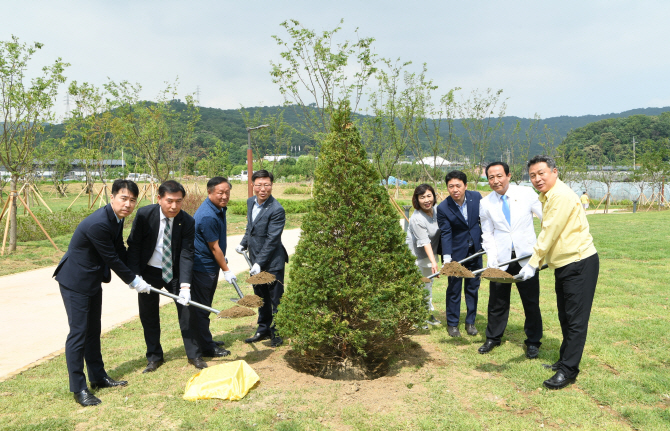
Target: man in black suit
[458,219]
[265,223]
[95,248]
[160,249]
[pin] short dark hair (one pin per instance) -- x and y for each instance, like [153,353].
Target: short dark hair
[262,174]
[503,164]
[456,175]
[551,163]
[171,186]
[216,181]
[125,184]
[419,191]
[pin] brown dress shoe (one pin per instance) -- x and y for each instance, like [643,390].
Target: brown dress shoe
[198,363]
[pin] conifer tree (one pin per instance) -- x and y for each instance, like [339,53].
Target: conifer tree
[354,293]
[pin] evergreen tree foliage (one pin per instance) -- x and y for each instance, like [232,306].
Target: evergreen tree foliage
[354,291]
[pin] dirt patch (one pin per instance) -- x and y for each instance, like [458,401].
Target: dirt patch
[235,312]
[425,280]
[251,301]
[455,269]
[496,273]
[261,278]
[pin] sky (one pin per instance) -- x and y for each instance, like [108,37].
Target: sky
[550,58]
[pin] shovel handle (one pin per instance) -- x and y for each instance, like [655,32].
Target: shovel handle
[175,297]
[246,257]
[479,253]
[237,288]
[516,259]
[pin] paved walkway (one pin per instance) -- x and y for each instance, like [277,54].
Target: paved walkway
[33,323]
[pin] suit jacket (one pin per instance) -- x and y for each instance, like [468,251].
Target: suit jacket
[143,237]
[455,231]
[498,235]
[263,236]
[95,248]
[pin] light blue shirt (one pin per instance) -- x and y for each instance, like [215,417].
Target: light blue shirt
[256,209]
[463,208]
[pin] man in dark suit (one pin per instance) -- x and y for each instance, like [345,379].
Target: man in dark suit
[160,249]
[95,248]
[458,218]
[265,223]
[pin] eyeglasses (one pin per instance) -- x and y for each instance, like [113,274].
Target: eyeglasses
[263,186]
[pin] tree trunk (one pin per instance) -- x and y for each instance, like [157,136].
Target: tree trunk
[12,214]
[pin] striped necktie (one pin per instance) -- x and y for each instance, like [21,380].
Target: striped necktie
[166,262]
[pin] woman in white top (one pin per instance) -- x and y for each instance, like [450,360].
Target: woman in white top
[423,237]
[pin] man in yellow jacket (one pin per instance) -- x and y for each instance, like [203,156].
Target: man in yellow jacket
[566,245]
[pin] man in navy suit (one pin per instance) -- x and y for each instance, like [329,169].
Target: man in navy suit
[160,249]
[265,223]
[458,218]
[95,248]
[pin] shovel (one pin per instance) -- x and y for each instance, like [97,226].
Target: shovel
[461,262]
[515,279]
[195,304]
[246,257]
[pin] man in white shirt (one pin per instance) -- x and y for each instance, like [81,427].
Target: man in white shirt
[507,232]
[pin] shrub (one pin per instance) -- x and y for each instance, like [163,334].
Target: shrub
[57,224]
[295,191]
[354,293]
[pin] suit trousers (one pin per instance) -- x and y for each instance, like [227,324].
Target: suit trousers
[499,302]
[83,341]
[575,289]
[271,294]
[470,287]
[149,305]
[203,288]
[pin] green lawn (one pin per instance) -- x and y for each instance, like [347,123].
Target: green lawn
[439,383]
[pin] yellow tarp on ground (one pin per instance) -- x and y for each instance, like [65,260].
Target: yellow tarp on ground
[229,381]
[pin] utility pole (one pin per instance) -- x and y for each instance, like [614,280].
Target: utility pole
[633,153]
[250,158]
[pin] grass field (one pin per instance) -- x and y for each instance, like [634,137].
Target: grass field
[438,383]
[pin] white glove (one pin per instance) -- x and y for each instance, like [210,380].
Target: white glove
[229,276]
[526,272]
[446,258]
[491,261]
[254,269]
[142,287]
[240,249]
[184,296]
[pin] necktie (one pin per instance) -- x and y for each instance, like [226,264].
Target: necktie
[166,262]
[506,209]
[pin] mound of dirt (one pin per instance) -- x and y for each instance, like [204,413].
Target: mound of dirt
[496,273]
[235,312]
[455,269]
[261,278]
[251,301]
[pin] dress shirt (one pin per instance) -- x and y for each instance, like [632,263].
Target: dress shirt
[157,257]
[256,209]
[565,236]
[500,238]
[463,208]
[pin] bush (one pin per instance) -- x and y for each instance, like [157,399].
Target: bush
[354,291]
[295,191]
[57,224]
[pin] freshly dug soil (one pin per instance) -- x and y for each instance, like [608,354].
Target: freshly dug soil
[425,280]
[261,278]
[455,269]
[496,273]
[251,301]
[235,312]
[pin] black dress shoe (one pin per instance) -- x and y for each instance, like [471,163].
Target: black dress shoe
[532,352]
[453,331]
[217,352]
[470,329]
[219,343]
[152,366]
[553,367]
[108,382]
[257,337]
[558,381]
[86,398]
[488,346]
[198,363]
[276,341]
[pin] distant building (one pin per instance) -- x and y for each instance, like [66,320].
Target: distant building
[435,162]
[274,158]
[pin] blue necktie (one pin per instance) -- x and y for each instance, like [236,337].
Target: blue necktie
[506,210]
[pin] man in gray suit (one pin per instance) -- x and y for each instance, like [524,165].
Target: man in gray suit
[265,223]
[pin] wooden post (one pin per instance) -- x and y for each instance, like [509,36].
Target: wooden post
[39,224]
[40,198]
[4,237]
[96,198]
[75,199]
[4,207]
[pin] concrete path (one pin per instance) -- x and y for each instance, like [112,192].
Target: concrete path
[33,322]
